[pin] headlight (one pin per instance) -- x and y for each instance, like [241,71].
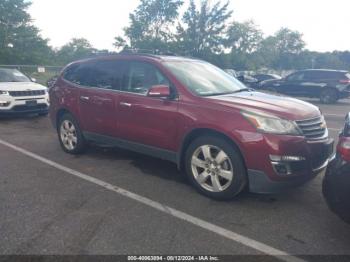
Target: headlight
[4,92]
[271,124]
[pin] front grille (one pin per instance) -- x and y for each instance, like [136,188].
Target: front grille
[314,128]
[23,108]
[27,93]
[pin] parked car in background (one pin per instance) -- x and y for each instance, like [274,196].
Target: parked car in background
[243,77]
[20,95]
[336,184]
[263,77]
[327,85]
[247,80]
[225,136]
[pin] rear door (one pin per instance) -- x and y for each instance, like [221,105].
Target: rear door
[142,119]
[99,95]
[314,82]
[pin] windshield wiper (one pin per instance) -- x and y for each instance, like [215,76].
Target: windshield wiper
[244,90]
[231,92]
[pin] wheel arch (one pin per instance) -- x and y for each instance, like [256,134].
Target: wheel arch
[330,88]
[61,112]
[197,132]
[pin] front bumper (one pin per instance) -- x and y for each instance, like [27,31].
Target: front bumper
[259,182]
[25,110]
[300,161]
[24,105]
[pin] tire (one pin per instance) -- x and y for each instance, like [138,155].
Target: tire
[337,197]
[329,96]
[217,172]
[70,136]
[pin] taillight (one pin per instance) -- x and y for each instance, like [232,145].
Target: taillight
[344,81]
[343,148]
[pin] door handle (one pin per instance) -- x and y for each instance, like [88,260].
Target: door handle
[84,98]
[125,104]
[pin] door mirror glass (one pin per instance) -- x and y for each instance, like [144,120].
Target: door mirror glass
[159,91]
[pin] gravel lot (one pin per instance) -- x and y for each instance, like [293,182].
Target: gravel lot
[46,210]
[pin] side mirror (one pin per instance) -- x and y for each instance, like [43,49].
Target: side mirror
[161,91]
[33,79]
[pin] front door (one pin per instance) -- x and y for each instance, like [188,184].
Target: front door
[293,84]
[142,119]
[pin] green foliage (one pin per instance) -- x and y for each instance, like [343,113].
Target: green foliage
[282,49]
[20,41]
[201,32]
[77,48]
[244,37]
[150,25]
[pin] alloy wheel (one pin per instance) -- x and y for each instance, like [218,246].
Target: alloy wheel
[68,135]
[212,168]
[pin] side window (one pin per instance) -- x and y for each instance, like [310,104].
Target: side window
[80,74]
[316,75]
[70,73]
[101,74]
[142,76]
[309,76]
[296,77]
[109,75]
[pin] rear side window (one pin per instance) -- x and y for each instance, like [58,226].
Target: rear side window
[100,74]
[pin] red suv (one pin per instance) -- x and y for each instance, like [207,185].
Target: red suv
[225,136]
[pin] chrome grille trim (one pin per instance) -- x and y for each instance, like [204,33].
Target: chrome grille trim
[314,128]
[27,93]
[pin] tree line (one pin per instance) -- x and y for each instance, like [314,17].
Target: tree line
[206,30]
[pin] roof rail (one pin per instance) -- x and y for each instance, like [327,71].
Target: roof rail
[137,51]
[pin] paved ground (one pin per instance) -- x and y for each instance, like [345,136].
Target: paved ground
[44,210]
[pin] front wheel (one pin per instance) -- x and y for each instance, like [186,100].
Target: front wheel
[70,135]
[329,96]
[215,168]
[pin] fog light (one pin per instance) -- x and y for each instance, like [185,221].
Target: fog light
[286,158]
[281,169]
[4,103]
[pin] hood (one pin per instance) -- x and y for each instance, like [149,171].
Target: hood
[270,81]
[277,105]
[21,86]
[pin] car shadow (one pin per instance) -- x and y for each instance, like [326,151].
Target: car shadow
[163,169]
[147,165]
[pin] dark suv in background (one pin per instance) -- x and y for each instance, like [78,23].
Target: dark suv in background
[225,136]
[327,85]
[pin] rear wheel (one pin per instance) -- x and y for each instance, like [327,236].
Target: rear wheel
[70,135]
[215,168]
[329,96]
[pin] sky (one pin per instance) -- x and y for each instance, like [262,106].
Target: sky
[324,23]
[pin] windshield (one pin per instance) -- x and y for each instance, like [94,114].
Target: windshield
[204,79]
[12,75]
